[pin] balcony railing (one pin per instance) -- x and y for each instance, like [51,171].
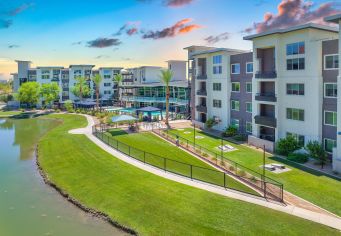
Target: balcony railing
[201,77]
[154,99]
[201,108]
[55,79]
[267,97]
[266,75]
[202,92]
[268,137]
[266,121]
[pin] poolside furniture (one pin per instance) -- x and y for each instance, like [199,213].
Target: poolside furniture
[279,166]
[269,167]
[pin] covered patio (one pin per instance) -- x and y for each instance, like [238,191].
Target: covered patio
[150,112]
[125,118]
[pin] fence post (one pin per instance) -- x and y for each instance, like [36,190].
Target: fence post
[264,189]
[224,180]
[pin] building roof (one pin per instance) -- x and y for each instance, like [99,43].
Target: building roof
[334,18]
[219,50]
[121,118]
[82,66]
[293,28]
[49,67]
[114,68]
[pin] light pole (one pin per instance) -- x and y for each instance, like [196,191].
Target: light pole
[222,147]
[194,135]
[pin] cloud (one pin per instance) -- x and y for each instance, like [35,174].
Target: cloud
[181,27]
[215,39]
[5,14]
[130,28]
[176,3]
[20,9]
[77,43]
[103,42]
[4,24]
[13,46]
[102,56]
[294,12]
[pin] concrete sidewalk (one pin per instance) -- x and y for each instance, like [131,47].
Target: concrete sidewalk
[331,221]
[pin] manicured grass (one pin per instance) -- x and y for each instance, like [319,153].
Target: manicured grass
[4,114]
[177,159]
[149,204]
[310,185]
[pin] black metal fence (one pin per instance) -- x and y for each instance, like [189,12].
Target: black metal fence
[269,187]
[211,176]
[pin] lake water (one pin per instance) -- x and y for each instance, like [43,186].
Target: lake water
[27,205]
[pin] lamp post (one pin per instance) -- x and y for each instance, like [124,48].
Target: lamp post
[194,135]
[222,147]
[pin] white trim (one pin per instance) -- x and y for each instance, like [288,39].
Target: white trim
[324,61]
[324,144]
[246,87]
[235,101]
[324,118]
[232,87]
[324,90]
[246,107]
[233,65]
[246,67]
[246,127]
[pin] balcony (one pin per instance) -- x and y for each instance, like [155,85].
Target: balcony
[266,121]
[201,108]
[266,75]
[55,79]
[201,77]
[266,97]
[202,92]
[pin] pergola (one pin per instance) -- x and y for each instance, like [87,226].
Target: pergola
[123,118]
[149,110]
[85,104]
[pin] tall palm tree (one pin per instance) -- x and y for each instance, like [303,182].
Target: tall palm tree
[118,79]
[97,79]
[81,88]
[166,77]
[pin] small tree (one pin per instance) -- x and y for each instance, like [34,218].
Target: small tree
[50,92]
[68,106]
[210,123]
[118,79]
[29,93]
[317,152]
[230,131]
[287,145]
[166,77]
[97,79]
[81,89]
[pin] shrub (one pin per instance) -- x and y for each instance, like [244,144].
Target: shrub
[253,179]
[230,131]
[317,152]
[210,123]
[298,157]
[231,168]
[78,111]
[287,145]
[241,173]
[204,154]
[68,106]
[240,137]
[58,110]
[222,163]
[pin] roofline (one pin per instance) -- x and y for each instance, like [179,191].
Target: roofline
[219,50]
[292,28]
[333,18]
[100,68]
[23,61]
[46,67]
[176,60]
[82,66]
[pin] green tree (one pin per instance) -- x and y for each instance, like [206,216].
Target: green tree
[118,79]
[49,92]
[68,106]
[317,152]
[97,79]
[29,93]
[287,145]
[81,89]
[166,77]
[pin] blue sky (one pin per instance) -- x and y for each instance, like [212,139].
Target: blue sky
[62,33]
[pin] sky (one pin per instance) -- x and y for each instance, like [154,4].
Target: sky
[131,33]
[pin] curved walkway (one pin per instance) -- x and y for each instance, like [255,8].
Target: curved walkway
[331,221]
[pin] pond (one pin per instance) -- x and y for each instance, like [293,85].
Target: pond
[27,205]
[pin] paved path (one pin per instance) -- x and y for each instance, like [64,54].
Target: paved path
[331,221]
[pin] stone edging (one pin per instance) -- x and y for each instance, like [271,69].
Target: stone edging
[76,203]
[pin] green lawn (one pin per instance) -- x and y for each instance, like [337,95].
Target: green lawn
[150,143]
[149,204]
[4,114]
[310,185]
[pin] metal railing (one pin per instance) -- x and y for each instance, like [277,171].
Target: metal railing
[206,175]
[269,187]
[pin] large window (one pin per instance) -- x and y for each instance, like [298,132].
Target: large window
[217,70]
[295,89]
[249,67]
[235,123]
[330,118]
[248,107]
[329,144]
[330,90]
[296,64]
[235,68]
[295,48]
[249,87]
[107,92]
[248,127]
[106,76]
[295,114]
[107,84]
[299,138]
[234,105]
[235,87]
[45,76]
[331,62]
[216,103]
[216,86]
[217,59]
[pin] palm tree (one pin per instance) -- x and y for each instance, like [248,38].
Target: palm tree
[166,77]
[81,87]
[118,79]
[97,79]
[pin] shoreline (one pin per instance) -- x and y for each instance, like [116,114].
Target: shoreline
[76,203]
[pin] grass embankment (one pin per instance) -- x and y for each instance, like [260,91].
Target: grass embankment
[149,204]
[310,185]
[178,161]
[5,114]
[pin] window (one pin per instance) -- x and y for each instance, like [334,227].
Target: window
[249,87]
[107,84]
[235,123]
[295,89]
[235,68]
[217,69]
[107,92]
[77,72]
[331,62]
[106,76]
[216,86]
[65,93]
[235,105]
[330,118]
[45,72]
[235,87]
[329,144]
[216,103]
[295,48]
[249,67]
[295,114]
[296,64]
[248,107]
[299,138]
[45,76]
[330,90]
[248,127]
[217,59]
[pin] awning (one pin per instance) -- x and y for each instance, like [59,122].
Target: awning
[121,118]
[148,109]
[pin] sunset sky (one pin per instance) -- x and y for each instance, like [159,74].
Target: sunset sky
[137,32]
